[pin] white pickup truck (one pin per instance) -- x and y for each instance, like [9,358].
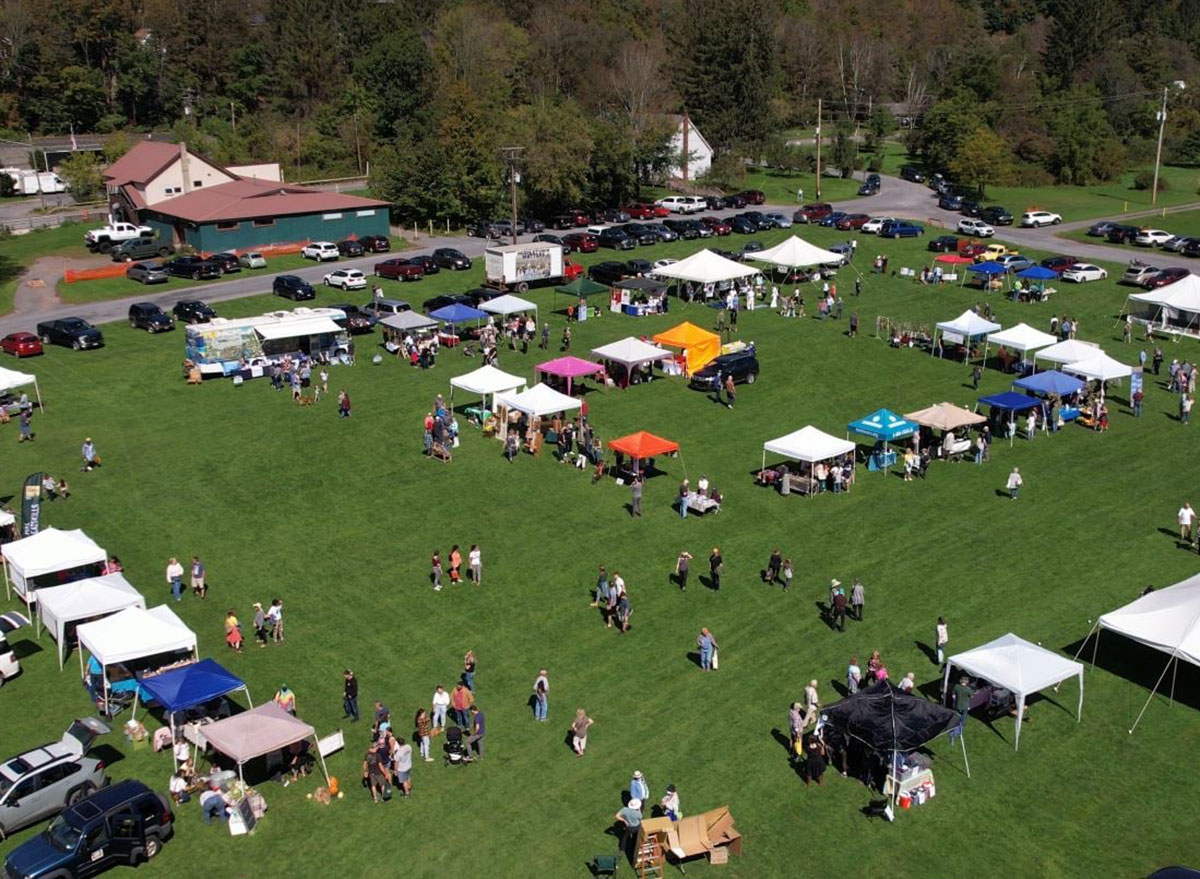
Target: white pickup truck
[105,238]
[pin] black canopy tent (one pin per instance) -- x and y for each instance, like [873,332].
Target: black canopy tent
[641,285]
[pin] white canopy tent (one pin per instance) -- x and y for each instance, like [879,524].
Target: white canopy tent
[59,606]
[1015,664]
[258,732]
[1022,338]
[407,321]
[1167,620]
[1100,367]
[47,552]
[508,304]
[796,253]
[539,400]
[807,444]
[10,378]
[133,633]
[1070,351]
[1170,304]
[966,326]
[631,351]
[706,267]
[485,381]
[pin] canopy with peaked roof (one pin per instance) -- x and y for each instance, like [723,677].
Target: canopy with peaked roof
[487,380]
[1182,295]
[47,552]
[965,327]
[10,378]
[570,368]
[408,320]
[59,606]
[134,633]
[257,732]
[643,445]
[699,346]
[988,268]
[1022,337]
[508,304]
[194,684]
[808,444]
[1011,401]
[630,351]
[885,718]
[796,253]
[945,416]
[1068,351]
[1015,664]
[1038,273]
[706,267]
[539,400]
[1099,366]
[1050,382]
[457,313]
[883,424]
[581,288]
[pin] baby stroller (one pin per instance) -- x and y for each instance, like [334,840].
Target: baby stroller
[456,752]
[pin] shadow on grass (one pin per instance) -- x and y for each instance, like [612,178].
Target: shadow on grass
[25,648]
[1140,665]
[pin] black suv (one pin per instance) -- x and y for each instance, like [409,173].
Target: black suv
[742,365]
[683,228]
[606,272]
[871,185]
[612,236]
[943,244]
[149,317]
[350,247]
[994,215]
[912,174]
[450,258]
[293,287]
[227,261]
[355,320]
[1122,234]
[193,311]
[125,823]
[643,235]
[192,267]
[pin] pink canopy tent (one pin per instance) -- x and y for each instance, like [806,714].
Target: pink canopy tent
[569,368]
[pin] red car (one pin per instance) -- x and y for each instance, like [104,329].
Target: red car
[852,221]
[718,226]
[1162,279]
[581,242]
[753,196]
[21,344]
[646,211]
[571,218]
[571,270]
[399,270]
[971,250]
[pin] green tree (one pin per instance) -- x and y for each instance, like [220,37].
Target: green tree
[81,172]
[944,128]
[1189,150]
[843,150]
[1080,31]
[612,171]
[555,160]
[1085,149]
[727,171]
[983,157]
[396,70]
[879,126]
[116,145]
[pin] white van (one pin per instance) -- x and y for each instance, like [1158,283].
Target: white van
[682,204]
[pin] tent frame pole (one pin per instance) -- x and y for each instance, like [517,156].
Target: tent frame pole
[1170,662]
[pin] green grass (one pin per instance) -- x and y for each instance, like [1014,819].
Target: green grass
[339,518]
[780,187]
[19,252]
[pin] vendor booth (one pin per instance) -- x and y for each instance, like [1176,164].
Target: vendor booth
[247,346]
[629,360]
[578,292]
[1006,407]
[639,447]
[963,330]
[884,426]
[710,834]
[1067,351]
[1030,284]
[131,635]
[61,608]
[454,316]
[1167,620]
[1050,382]
[509,304]
[1023,338]
[705,268]
[953,421]
[890,725]
[796,253]
[817,454]
[411,335]
[49,558]
[487,381]
[1014,668]
[1173,308]
[10,380]
[698,346]
[1099,367]
[258,732]
[190,686]
[988,274]
[638,297]
[568,369]
[538,401]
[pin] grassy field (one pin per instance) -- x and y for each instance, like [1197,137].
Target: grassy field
[259,488]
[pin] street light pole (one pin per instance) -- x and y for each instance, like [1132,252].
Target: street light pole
[818,181]
[1162,124]
[512,155]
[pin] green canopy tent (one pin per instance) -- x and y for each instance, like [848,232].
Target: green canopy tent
[581,288]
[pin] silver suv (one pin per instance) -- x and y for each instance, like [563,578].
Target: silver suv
[42,782]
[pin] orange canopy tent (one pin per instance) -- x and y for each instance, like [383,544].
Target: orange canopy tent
[699,346]
[643,445]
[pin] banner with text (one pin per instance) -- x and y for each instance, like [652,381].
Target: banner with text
[31,505]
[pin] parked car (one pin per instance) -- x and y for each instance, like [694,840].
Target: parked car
[436,302]
[735,255]
[505,227]
[972,250]
[427,263]
[682,204]
[753,196]
[532,224]
[228,262]
[147,273]
[1192,248]
[42,781]
[193,311]
[901,229]
[385,306]
[853,221]
[996,216]
[646,211]
[684,229]
[350,247]
[1177,243]
[912,174]
[1014,262]
[1152,237]
[450,258]
[742,226]
[831,219]
[571,270]
[703,230]
[125,823]
[571,219]
[845,249]
[742,365]
[550,238]
[398,269]
[718,226]
[484,229]
[192,267]
[614,215]
[354,321]
[949,202]
[873,225]
[969,207]
[150,317]
[663,263]
[252,260]
[347,279]
[607,272]
[943,244]
[293,287]
[1121,234]
[1167,276]
[70,332]
[21,345]
[869,187]
[10,666]
[375,243]
[812,213]
[640,233]
[636,267]
[781,221]
[1083,272]
[760,220]
[140,248]
[1058,263]
[1101,229]
[992,252]
[665,233]
[978,228]
[1138,273]
[321,251]
[734,201]
[1036,219]
[612,237]
[581,242]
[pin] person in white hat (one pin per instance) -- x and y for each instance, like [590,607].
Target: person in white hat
[1014,483]
[630,819]
[638,788]
[812,703]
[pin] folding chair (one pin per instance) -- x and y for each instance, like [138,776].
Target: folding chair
[605,865]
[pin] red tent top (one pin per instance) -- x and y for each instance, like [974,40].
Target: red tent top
[643,445]
[954,259]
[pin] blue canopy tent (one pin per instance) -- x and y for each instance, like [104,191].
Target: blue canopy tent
[1054,382]
[1014,404]
[1040,274]
[987,269]
[182,688]
[885,426]
[457,314]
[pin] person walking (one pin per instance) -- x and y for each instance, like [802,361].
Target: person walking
[435,571]
[788,573]
[774,564]
[579,731]
[706,643]
[441,703]
[853,675]
[839,606]
[175,577]
[349,696]
[812,704]
[478,732]
[1157,360]
[23,421]
[941,637]
[260,624]
[858,287]
[233,631]
[423,730]
[685,491]
[468,675]
[91,460]
[541,696]
[961,700]
[1185,408]
[716,566]
[730,391]
[198,577]
[683,566]
[853,323]
[475,564]
[600,594]
[1137,399]
[545,335]
[1014,483]
[343,404]
[858,599]
[976,375]
[1186,517]
[402,760]
[635,508]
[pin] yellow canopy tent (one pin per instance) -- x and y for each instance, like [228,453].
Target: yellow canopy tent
[699,346]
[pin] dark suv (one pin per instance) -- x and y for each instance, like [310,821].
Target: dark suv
[126,823]
[193,311]
[613,237]
[912,174]
[994,215]
[148,316]
[1122,234]
[742,365]
[607,272]
[140,248]
[293,287]
[812,213]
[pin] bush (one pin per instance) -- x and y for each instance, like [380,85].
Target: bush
[1033,176]
[875,165]
[1144,180]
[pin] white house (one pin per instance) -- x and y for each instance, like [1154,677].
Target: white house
[690,150]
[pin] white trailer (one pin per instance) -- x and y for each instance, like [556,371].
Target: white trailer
[520,266]
[32,182]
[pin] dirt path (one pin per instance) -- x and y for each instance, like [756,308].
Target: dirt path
[35,291]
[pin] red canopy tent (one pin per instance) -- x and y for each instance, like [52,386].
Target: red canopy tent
[953,259]
[641,446]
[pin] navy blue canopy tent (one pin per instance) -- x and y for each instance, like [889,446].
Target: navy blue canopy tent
[1014,404]
[182,688]
[457,313]
[988,270]
[1038,273]
[1050,382]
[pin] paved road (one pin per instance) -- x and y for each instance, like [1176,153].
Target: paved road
[899,197]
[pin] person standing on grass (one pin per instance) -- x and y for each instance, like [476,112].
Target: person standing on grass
[1157,360]
[600,595]
[233,631]
[716,566]
[683,566]
[175,577]
[629,817]
[324,381]
[1137,400]
[198,575]
[441,703]
[774,563]
[812,703]
[839,609]
[788,573]
[343,404]
[853,675]
[475,563]
[468,675]
[706,643]
[461,699]
[941,637]
[91,460]
[286,699]
[638,788]
[976,375]
[908,682]
[1014,483]
[421,725]
[1185,408]
[635,508]
[349,696]
[730,391]
[961,699]
[670,803]
[402,759]
[795,725]
[623,611]
[1186,517]
[579,731]
[275,618]
[260,624]
[373,773]
[435,571]
[478,732]
[853,324]
[541,696]
[26,429]
[858,599]
[455,564]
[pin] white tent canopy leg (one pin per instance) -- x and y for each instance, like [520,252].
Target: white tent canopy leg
[1157,684]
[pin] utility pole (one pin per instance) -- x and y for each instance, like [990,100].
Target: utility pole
[232,118]
[36,172]
[512,155]
[818,186]
[1162,124]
